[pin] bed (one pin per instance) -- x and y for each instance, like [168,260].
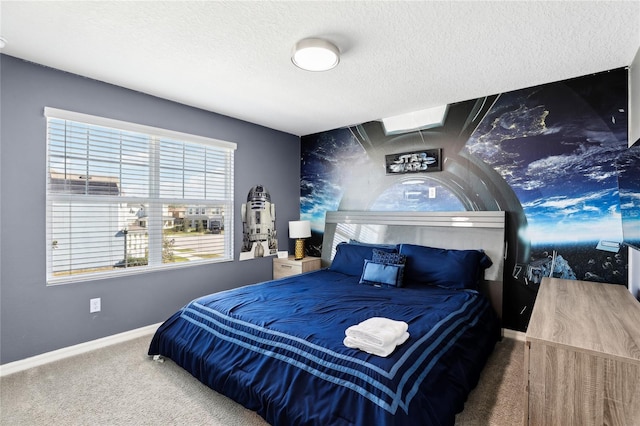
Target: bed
[278,347]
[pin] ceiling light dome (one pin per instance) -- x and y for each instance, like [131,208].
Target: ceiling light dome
[315,54]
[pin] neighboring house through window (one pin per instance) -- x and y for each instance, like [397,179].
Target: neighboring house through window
[117,194]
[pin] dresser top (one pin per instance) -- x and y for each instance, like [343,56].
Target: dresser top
[587,316]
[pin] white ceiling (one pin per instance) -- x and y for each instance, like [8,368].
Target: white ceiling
[233,57]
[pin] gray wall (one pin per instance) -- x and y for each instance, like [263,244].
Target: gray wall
[35,318]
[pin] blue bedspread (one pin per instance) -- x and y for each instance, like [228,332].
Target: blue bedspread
[277,348]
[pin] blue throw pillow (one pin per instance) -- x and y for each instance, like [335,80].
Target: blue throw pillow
[381,256]
[444,267]
[386,275]
[349,258]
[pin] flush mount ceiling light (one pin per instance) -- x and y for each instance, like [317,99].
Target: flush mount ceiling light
[315,54]
[416,120]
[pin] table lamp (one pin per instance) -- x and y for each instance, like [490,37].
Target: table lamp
[299,229]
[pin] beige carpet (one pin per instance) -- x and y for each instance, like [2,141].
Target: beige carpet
[498,400]
[120,385]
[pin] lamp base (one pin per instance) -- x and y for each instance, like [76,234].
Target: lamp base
[299,252]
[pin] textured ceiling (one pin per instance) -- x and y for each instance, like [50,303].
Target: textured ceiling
[233,58]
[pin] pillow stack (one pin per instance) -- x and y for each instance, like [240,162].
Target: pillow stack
[350,257]
[384,269]
[388,265]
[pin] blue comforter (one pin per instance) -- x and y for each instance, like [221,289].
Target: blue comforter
[277,348]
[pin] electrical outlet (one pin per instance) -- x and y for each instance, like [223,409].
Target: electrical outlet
[94,305]
[432,192]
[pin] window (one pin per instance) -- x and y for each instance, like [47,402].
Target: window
[117,194]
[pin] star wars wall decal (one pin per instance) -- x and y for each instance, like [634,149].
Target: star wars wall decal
[258,225]
[549,155]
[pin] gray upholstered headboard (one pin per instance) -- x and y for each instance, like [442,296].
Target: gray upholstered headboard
[449,230]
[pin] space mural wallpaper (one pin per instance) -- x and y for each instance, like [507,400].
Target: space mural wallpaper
[546,155]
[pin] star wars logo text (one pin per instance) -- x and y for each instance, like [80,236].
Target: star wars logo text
[413,162]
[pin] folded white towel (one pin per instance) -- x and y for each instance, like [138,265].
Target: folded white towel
[377,331]
[382,351]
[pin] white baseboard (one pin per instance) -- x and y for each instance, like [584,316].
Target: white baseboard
[513,334]
[45,358]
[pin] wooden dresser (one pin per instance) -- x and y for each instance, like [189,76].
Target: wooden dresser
[582,355]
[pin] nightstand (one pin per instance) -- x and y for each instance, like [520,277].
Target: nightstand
[289,266]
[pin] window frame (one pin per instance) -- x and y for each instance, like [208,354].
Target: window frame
[156,137]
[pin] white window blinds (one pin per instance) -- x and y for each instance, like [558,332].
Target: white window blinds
[126,198]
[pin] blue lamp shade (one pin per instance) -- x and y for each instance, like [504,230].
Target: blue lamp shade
[299,229]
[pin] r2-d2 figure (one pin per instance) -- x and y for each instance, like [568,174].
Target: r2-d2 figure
[259,223]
